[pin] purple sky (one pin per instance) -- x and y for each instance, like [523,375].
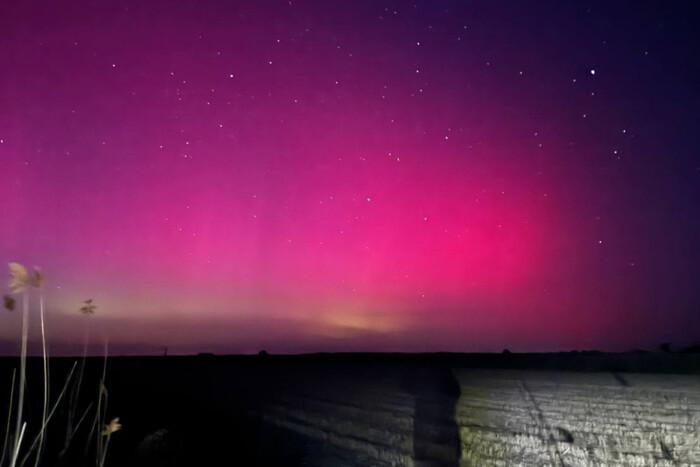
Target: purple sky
[310,176]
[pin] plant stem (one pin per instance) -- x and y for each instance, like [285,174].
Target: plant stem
[9,416]
[17,444]
[104,453]
[101,412]
[50,415]
[46,381]
[74,399]
[19,431]
[82,418]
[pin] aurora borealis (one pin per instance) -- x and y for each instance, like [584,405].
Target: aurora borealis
[354,175]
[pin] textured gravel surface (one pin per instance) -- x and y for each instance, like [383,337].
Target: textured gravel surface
[499,418]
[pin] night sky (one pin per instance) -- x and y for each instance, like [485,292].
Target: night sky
[228,176]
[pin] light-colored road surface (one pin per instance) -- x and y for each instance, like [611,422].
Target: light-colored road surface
[578,419]
[501,418]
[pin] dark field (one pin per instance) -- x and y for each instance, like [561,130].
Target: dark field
[637,409]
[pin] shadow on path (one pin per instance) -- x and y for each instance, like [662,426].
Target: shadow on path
[435,432]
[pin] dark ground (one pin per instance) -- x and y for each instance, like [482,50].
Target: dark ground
[221,410]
